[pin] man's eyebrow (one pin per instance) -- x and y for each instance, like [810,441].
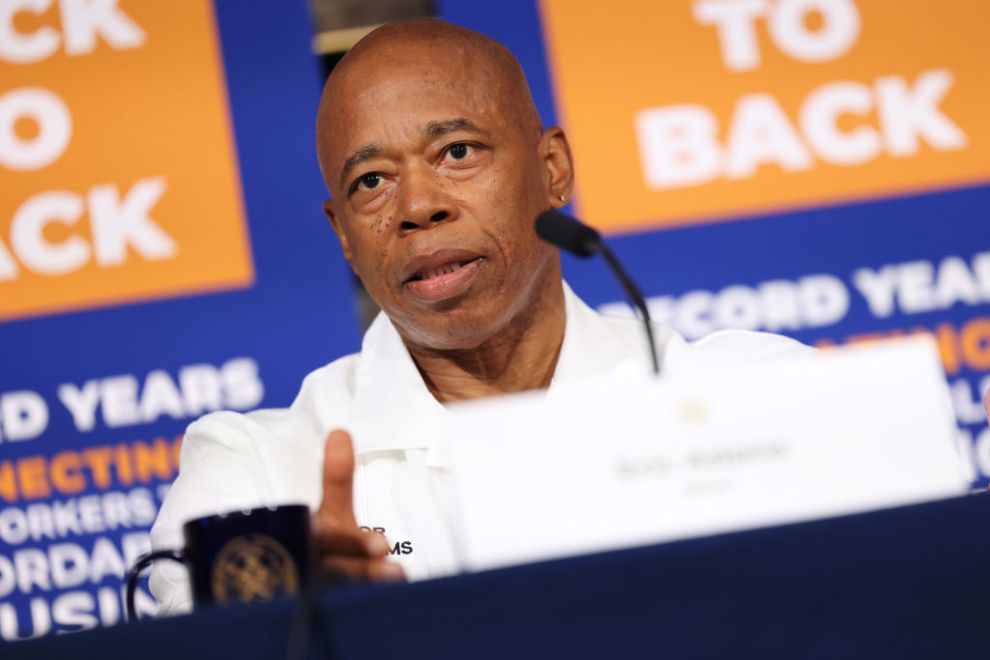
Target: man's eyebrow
[366,152]
[435,129]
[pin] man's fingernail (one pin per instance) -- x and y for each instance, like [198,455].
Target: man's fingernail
[377,544]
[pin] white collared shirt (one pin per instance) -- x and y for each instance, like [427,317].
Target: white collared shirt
[233,461]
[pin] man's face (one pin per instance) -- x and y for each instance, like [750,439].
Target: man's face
[436,180]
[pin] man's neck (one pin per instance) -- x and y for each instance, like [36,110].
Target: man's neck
[522,356]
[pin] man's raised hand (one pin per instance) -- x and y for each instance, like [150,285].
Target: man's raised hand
[344,550]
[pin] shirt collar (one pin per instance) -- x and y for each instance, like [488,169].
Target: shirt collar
[394,410]
[591,346]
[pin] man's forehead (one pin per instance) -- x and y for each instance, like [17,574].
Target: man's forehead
[425,81]
[416,105]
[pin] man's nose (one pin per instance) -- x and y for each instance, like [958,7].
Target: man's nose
[423,200]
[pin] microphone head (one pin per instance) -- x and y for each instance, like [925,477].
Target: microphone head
[568,234]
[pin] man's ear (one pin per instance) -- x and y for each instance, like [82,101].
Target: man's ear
[559,166]
[335,223]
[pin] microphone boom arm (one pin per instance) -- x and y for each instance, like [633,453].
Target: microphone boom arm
[636,297]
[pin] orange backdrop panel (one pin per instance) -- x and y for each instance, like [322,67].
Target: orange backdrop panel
[611,61]
[157,110]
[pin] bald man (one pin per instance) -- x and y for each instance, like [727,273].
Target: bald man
[437,165]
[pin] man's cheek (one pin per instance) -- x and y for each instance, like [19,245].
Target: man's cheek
[367,272]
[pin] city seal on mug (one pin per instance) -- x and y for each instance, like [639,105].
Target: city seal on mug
[253,567]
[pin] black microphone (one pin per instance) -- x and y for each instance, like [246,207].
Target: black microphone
[581,240]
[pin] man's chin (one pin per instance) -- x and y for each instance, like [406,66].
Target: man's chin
[451,327]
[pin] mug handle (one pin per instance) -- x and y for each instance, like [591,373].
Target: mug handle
[142,563]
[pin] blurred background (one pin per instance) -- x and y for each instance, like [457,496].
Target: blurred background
[817,168]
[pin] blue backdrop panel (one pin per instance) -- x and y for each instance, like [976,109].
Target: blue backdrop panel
[298,315]
[62,553]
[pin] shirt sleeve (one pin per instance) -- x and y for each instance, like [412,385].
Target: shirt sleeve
[219,471]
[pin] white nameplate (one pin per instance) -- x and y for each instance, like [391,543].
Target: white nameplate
[625,463]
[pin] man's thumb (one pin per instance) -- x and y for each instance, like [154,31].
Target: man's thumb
[338,478]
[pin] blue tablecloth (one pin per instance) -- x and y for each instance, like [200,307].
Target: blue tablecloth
[912,582]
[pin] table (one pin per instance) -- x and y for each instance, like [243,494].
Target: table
[910,582]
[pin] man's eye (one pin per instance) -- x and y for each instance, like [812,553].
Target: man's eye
[370,181]
[459,151]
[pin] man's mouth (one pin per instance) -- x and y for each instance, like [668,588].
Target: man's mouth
[441,275]
[433,273]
